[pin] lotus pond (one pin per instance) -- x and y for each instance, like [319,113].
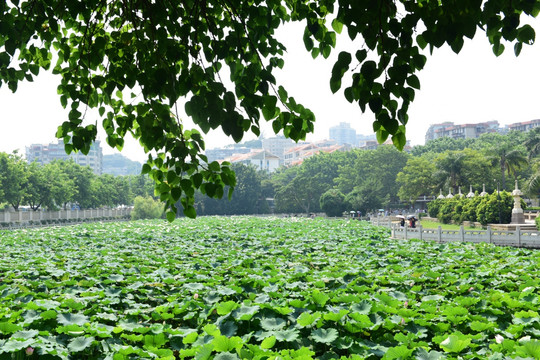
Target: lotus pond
[261,288]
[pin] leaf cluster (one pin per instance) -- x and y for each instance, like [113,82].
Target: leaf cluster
[132,61]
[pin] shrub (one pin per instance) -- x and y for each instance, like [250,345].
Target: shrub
[457,212]
[333,202]
[487,211]
[446,211]
[469,208]
[537,221]
[146,208]
[434,206]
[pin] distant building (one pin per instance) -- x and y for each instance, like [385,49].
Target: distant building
[277,145]
[461,131]
[470,131]
[218,154]
[45,154]
[374,144]
[361,140]
[524,126]
[343,134]
[430,133]
[260,158]
[296,155]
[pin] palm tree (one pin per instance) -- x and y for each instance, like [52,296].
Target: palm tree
[533,142]
[450,168]
[532,187]
[508,159]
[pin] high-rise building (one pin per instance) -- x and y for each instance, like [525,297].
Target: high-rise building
[343,134]
[277,145]
[461,131]
[45,154]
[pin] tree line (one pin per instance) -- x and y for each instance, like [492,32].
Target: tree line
[360,180]
[60,184]
[366,180]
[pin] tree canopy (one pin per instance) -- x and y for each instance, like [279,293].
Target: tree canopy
[133,60]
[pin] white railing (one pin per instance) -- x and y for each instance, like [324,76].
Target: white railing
[18,217]
[517,238]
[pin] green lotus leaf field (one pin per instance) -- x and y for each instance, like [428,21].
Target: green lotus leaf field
[261,288]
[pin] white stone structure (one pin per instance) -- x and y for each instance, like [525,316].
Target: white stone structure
[517,211]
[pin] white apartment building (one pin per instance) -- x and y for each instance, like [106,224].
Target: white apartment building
[277,145]
[260,158]
[45,154]
[343,134]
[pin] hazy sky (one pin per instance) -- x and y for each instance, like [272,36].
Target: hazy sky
[474,86]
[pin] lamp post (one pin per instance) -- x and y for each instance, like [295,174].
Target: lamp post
[499,201]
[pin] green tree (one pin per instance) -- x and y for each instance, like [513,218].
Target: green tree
[301,194]
[37,187]
[47,186]
[507,159]
[416,179]
[374,166]
[450,167]
[476,171]
[333,203]
[248,197]
[63,188]
[82,177]
[140,185]
[532,142]
[104,191]
[532,187]
[146,208]
[14,176]
[505,152]
[440,145]
[284,193]
[157,52]
[368,197]
[300,187]
[123,195]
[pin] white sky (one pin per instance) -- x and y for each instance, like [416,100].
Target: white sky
[474,86]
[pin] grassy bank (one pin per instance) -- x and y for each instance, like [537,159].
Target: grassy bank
[433,225]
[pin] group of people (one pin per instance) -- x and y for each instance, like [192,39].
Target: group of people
[411,219]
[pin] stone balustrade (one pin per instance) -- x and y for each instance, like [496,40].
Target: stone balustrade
[21,217]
